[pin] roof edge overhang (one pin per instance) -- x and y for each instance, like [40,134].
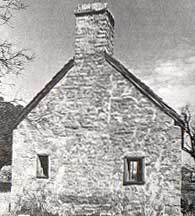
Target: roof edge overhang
[145,90]
[120,68]
[35,101]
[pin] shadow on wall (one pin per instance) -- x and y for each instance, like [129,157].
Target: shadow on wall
[8,115]
[188,192]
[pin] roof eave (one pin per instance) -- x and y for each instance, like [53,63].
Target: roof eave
[145,90]
[36,100]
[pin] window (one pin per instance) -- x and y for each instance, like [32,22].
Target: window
[133,170]
[42,166]
[193,177]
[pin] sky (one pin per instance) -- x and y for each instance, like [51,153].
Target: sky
[154,39]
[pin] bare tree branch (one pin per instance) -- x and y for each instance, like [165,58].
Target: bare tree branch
[189,129]
[12,61]
[7,7]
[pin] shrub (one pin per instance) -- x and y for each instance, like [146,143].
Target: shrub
[5,174]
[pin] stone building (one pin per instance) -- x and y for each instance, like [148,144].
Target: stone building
[97,140]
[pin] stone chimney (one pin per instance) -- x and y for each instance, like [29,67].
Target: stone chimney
[94,31]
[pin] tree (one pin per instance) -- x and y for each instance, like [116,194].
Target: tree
[187,207]
[189,126]
[11,61]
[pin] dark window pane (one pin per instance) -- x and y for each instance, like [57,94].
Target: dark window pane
[42,166]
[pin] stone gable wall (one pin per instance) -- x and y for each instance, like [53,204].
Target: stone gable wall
[87,124]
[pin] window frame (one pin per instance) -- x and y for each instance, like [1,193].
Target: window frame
[140,160]
[37,166]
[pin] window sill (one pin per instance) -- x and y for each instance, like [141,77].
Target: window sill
[42,177]
[134,183]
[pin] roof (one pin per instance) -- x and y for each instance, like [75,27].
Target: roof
[120,68]
[36,100]
[145,90]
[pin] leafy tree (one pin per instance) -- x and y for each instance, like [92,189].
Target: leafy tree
[187,207]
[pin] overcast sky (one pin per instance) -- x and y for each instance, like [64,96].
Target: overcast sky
[155,39]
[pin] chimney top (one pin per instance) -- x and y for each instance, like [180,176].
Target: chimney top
[94,32]
[98,6]
[93,8]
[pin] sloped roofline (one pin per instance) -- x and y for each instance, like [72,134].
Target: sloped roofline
[145,90]
[120,68]
[36,100]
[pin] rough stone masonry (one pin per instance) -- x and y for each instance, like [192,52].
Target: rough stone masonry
[87,124]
